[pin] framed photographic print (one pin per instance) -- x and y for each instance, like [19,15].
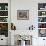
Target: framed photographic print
[22,14]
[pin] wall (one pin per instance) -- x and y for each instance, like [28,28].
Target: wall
[24,5]
[32,6]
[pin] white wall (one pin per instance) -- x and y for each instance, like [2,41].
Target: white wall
[24,5]
[32,6]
